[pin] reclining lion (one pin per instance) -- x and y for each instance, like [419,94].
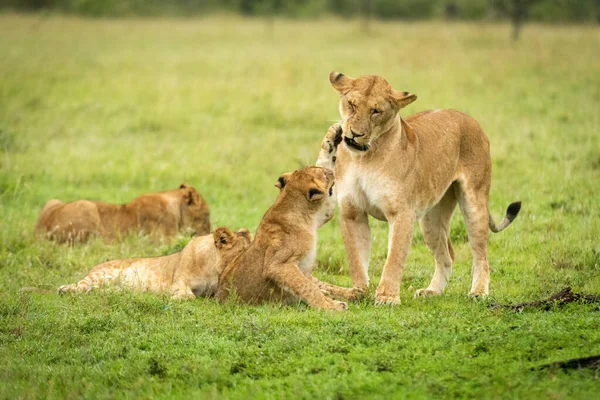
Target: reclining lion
[162,214]
[278,264]
[192,272]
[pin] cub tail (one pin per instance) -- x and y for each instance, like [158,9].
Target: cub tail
[511,213]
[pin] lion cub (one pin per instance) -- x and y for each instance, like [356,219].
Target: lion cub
[162,214]
[278,264]
[192,272]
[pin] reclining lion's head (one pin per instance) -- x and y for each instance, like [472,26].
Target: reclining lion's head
[195,216]
[368,107]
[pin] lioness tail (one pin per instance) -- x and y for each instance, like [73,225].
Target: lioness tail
[511,213]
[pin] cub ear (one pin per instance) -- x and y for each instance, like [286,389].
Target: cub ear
[341,82]
[283,180]
[402,99]
[183,186]
[223,237]
[245,233]
[315,194]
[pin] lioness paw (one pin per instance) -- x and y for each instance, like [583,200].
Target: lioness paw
[427,293]
[381,300]
[478,294]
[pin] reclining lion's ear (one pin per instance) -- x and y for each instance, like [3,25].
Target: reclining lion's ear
[183,186]
[402,99]
[223,237]
[190,197]
[315,194]
[341,82]
[283,180]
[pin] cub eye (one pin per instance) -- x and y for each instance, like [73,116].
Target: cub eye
[375,111]
[352,106]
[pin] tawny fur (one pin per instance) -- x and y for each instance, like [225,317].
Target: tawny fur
[403,170]
[161,214]
[278,264]
[191,273]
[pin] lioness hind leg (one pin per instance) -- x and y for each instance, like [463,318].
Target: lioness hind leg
[435,226]
[474,207]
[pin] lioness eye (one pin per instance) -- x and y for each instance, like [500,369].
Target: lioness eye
[375,111]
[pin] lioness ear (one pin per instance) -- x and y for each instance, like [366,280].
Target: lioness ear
[315,194]
[183,186]
[283,180]
[222,236]
[341,82]
[402,99]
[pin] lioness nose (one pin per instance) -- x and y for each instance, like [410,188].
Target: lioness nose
[354,134]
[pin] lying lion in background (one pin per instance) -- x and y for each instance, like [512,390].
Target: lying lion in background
[161,214]
[278,264]
[192,272]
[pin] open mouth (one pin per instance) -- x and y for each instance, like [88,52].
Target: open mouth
[352,143]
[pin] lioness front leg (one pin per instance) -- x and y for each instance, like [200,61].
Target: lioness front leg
[399,238]
[357,239]
[291,279]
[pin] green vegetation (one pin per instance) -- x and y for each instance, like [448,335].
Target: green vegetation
[538,10]
[111,109]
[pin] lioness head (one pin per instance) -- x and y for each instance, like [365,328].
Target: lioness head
[312,184]
[368,107]
[230,244]
[195,216]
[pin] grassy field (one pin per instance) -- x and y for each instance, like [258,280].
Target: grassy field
[111,109]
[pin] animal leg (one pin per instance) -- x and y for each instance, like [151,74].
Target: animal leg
[339,292]
[474,207]
[357,239]
[399,239]
[291,279]
[435,226]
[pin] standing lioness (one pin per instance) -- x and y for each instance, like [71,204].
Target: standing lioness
[402,170]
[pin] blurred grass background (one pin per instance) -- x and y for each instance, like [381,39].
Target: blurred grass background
[108,109]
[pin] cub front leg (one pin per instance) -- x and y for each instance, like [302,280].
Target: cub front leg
[339,292]
[399,238]
[289,277]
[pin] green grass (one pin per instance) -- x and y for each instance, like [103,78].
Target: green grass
[109,109]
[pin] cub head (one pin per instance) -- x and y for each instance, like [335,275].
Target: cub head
[195,216]
[368,107]
[310,186]
[230,244]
